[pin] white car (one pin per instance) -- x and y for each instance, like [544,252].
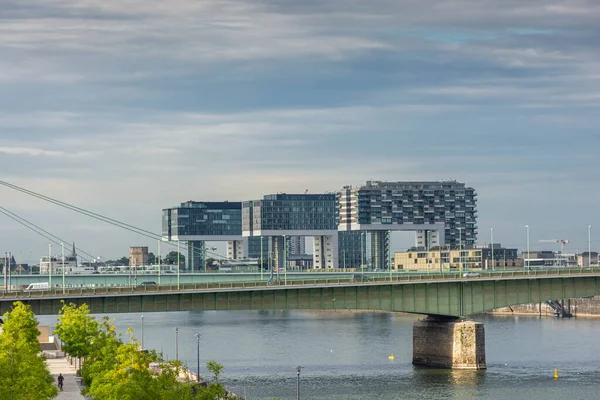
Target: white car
[471,275]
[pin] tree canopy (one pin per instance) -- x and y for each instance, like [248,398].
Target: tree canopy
[114,370]
[171,258]
[23,371]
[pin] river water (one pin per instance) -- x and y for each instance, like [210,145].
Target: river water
[345,355]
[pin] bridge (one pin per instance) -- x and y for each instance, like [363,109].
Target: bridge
[444,339]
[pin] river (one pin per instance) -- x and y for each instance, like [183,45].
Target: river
[345,355]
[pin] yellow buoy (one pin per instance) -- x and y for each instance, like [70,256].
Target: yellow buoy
[555,373]
[392,356]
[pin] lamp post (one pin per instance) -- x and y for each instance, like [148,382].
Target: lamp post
[298,368]
[389,253]
[50,265]
[492,239]
[142,318]
[177,343]
[157,263]
[261,258]
[178,264]
[362,254]
[589,245]
[62,247]
[198,348]
[284,260]
[460,267]
[528,255]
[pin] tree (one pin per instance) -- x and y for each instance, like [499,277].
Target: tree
[151,258]
[23,371]
[171,258]
[76,329]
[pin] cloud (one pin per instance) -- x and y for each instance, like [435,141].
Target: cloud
[128,107]
[29,151]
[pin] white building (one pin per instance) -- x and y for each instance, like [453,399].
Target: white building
[56,263]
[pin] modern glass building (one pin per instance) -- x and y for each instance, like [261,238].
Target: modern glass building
[441,213]
[349,228]
[280,216]
[196,222]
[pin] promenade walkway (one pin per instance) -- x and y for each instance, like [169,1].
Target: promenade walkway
[71,390]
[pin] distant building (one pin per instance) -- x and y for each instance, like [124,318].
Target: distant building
[455,260]
[440,213]
[138,256]
[583,259]
[197,222]
[279,216]
[56,263]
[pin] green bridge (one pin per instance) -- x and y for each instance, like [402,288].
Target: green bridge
[445,298]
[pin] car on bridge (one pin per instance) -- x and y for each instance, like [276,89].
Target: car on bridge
[148,283]
[471,274]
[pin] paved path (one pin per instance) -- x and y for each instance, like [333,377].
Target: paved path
[71,390]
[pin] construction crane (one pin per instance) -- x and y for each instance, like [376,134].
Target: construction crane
[561,241]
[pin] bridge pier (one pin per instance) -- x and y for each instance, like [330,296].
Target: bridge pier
[449,343]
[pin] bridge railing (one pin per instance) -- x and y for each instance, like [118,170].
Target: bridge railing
[359,279]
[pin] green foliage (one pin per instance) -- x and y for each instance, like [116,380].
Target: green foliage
[114,370]
[23,371]
[151,258]
[171,258]
[76,329]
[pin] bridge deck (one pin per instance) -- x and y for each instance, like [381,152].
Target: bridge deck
[440,294]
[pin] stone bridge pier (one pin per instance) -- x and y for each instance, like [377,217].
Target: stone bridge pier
[449,343]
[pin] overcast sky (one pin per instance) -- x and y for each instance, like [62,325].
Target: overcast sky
[126,107]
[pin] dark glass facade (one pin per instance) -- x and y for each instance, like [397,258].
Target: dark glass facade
[195,218]
[291,212]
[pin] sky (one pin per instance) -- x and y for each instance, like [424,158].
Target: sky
[126,107]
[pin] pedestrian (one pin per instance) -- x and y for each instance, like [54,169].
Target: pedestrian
[60,381]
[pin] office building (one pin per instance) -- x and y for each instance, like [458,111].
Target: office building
[440,213]
[197,222]
[280,216]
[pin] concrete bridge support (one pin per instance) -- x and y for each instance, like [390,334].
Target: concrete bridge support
[449,343]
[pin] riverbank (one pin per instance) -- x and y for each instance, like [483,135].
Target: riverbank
[580,307]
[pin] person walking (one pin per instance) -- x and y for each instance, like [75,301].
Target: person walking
[60,381]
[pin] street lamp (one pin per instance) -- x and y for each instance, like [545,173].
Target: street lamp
[142,318]
[261,258]
[492,239]
[62,246]
[50,265]
[157,263]
[528,255]
[178,265]
[389,253]
[198,347]
[177,343]
[460,267]
[589,245]
[284,260]
[362,254]
[298,368]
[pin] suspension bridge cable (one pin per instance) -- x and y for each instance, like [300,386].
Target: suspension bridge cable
[36,228]
[103,218]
